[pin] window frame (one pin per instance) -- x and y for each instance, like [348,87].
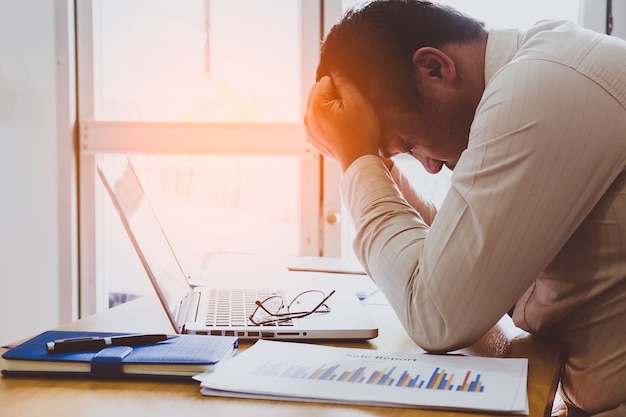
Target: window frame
[321,230]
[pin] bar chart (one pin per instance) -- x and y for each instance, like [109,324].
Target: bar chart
[438,379]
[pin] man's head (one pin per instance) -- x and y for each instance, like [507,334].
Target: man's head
[376,48]
[373,46]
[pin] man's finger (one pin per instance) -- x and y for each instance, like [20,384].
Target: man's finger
[311,94]
[326,90]
[344,87]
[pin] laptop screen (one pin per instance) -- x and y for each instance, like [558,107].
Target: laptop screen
[144,230]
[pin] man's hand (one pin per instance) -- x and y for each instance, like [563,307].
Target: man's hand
[341,123]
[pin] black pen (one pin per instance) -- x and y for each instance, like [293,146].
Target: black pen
[81,344]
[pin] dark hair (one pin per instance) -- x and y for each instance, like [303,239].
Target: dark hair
[373,46]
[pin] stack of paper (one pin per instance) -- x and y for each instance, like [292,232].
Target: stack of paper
[305,372]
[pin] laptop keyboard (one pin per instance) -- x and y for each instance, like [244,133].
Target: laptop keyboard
[232,307]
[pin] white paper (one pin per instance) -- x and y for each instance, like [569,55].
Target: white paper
[307,372]
[326,264]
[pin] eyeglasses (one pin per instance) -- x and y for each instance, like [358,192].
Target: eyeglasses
[272,310]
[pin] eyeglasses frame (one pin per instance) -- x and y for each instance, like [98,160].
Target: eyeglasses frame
[281,317]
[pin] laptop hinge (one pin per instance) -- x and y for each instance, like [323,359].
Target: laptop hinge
[188,308]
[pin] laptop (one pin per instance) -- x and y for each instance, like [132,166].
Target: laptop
[200,309]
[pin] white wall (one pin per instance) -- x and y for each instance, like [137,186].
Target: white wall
[619,18]
[593,16]
[37,259]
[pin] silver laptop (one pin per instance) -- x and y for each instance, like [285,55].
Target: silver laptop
[286,313]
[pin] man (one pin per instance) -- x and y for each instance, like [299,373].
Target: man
[534,126]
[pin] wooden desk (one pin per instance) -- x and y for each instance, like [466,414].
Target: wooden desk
[39,397]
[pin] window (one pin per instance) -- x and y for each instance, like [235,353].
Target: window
[206,97]
[197,61]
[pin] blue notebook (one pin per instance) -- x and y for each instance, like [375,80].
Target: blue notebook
[181,356]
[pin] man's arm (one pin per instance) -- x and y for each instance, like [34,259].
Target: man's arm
[528,179]
[424,207]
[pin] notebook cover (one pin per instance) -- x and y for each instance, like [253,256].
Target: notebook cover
[179,357]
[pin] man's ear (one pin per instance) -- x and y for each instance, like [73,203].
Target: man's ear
[434,64]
